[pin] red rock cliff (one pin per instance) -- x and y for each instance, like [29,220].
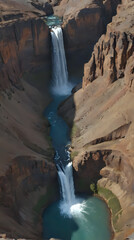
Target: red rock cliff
[83,24]
[27,173]
[103,124]
[23,45]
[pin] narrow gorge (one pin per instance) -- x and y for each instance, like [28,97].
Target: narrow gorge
[66,119]
[74,213]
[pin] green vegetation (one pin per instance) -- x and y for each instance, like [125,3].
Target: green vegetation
[104,192]
[75,131]
[93,187]
[113,204]
[74,154]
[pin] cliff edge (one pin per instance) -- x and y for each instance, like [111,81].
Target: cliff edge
[103,123]
[27,173]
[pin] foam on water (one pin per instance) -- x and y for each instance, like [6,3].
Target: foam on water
[76,209]
[70,205]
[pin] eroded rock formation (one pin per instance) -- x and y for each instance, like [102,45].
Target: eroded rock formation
[102,137]
[24,44]
[83,24]
[103,124]
[43,6]
[27,173]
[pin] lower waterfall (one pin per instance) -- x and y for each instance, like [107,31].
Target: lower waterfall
[67,185]
[69,204]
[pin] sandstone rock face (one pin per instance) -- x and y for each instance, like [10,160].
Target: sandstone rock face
[84,22]
[27,174]
[43,6]
[104,117]
[24,44]
[82,28]
[113,50]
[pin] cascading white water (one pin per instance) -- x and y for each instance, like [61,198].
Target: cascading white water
[60,84]
[70,205]
[67,185]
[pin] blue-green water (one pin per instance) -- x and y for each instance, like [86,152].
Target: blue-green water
[59,130]
[90,225]
[53,21]
[72,217]
[93,222]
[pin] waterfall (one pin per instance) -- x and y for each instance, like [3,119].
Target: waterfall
[60,84]
[69,204]
[67,185]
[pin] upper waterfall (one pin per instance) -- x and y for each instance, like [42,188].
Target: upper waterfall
[60,84]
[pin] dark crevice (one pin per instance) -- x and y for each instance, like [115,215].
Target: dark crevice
[116,134]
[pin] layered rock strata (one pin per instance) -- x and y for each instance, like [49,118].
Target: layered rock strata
[102,118]
[24,44]
[43,6]
[27,173]
[83,24]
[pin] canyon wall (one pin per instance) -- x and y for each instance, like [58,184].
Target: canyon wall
[24,44]
[28,178]
[27,173]
[83,24]
[101,112]
[103,119]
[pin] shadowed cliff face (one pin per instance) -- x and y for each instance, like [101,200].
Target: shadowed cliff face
[27,188]
[103,123]
[28,179]
[23,45]
[103,118]
[83,24]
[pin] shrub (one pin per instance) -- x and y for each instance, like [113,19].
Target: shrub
[113,204]
[93,187]
[75,131]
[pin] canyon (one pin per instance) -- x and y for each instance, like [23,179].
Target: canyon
[102,118]
[100,113]
[27,172]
